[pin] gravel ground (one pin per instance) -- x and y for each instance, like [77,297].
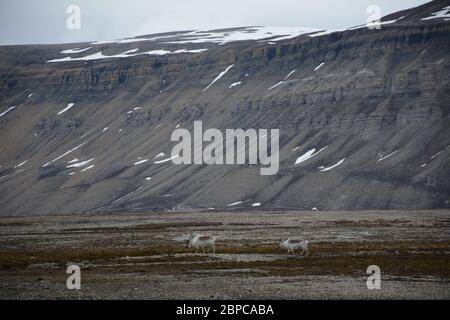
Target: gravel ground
[143,256]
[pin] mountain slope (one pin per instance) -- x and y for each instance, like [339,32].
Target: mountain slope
[380,99]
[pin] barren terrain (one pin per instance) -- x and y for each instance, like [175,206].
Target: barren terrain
[144,256]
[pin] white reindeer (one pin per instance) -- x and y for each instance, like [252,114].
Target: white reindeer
[292,244]
[201,241]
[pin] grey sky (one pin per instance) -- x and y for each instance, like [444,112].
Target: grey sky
[44,21]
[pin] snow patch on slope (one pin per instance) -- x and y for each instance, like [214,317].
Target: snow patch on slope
[166,160]
[140,162]
[159,155]
[75,50]
[218,77]
[325,169]
[443,14]
[319,66]
[277,85]
[308,155]
[290,74]
[371,25]
[235,84]
[65,154]
[21,164]
[272,34]
[69,106]
[382,157]
[234,204]
[126,54]
[80,164]
[7,111]
[88,168]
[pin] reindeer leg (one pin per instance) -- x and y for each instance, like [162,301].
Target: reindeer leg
[203,249]
[214,249]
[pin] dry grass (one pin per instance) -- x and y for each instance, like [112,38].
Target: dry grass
[406,258]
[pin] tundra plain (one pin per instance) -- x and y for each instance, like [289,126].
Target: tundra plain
[144,255]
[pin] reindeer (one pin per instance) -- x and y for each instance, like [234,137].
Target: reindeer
[292,244]
[201,241]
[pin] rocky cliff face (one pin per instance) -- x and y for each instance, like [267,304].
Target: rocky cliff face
[75,132]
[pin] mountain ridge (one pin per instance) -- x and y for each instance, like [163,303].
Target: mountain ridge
[378,98]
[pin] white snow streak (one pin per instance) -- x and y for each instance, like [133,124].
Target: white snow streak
[218,77]
[9,110]
[319,66]
[21,164]
[80,164]
[128,194]
[88,168]
[368,25]
[69,106]
[435,155]
[235,84]
[382,157]
[290,74]
[277,85]
[333,166]
[76,50]
[126,54]
[166,160]
[168,195]
[325,32]
[308,155]
[234,204]
[65,154]
[140,162]
[375,24]
[162,154]
[443,14]
[271,34]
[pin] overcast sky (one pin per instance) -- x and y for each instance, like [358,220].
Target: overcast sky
[44,21]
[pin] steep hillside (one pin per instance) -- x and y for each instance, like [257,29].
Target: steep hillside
[86,127]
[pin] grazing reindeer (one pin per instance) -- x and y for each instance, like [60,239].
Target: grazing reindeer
[292,244]
[201,241]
